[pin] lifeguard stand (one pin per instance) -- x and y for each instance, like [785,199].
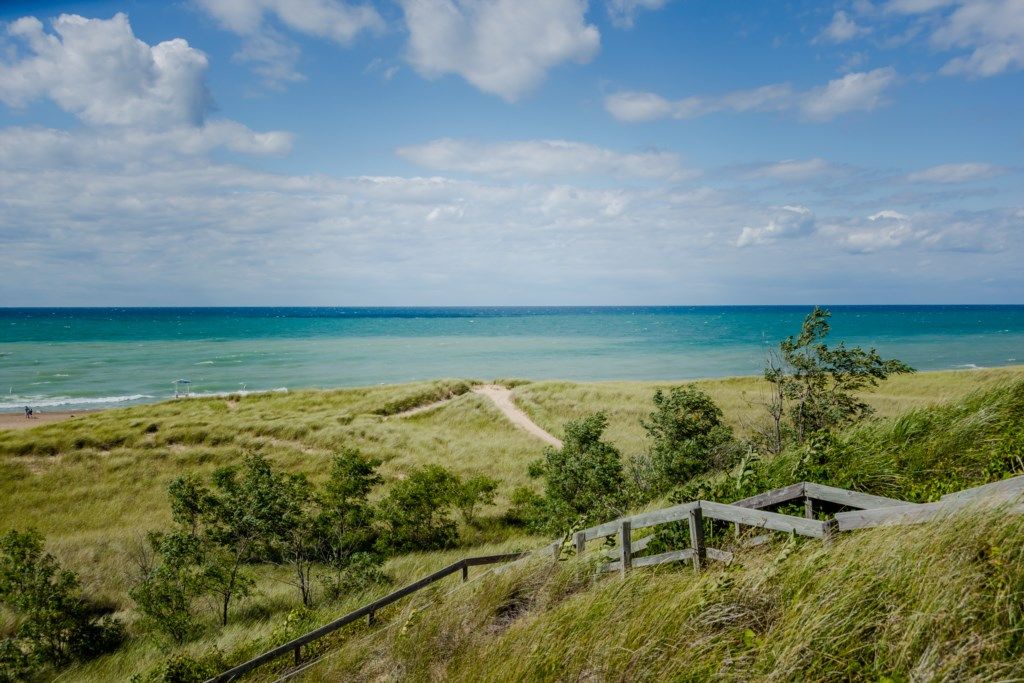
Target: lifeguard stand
[182,387]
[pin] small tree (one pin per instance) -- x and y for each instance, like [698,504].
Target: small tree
[416,511]
[57,624]
[237,522]
[814,386]
[168,583]
[688,436]
[345,522]
[583,480]
[474,493]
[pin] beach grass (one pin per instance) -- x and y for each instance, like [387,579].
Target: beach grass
[95,484]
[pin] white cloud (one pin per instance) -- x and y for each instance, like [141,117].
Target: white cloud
[622,13]
[787,222]
[273,55]
[792,170]
[841,29]
[959,232]
[541,158]
[861,91]
[137,96]
[956,173]
[98,70]
[992,31]
[503,47]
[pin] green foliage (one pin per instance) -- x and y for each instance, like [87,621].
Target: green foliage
[237,522]
[345,521]
[688,437]
[473,493]
[814,386]
[56,623]
[415,513]
[167,584]
[583,480]
[362,572]
[185,668]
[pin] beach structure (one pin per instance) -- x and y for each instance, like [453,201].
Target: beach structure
[182,387]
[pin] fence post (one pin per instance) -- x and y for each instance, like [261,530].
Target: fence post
[626,555]
[556,550]
[808,508]
[830,528]
[700,553]
[298,654]
[465,573]
[581,542]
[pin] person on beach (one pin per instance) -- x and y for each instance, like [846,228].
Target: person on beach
[28,412]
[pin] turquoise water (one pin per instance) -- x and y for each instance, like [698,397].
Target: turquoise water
[74,358]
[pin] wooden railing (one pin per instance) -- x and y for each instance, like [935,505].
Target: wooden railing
[294,647]
[853,510]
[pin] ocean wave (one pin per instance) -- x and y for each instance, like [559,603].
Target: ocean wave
[970,366]
[236,392]
[18,402]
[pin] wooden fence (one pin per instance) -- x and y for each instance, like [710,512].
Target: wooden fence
[850,510]
[294,647]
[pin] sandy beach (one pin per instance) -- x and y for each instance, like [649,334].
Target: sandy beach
[19,421]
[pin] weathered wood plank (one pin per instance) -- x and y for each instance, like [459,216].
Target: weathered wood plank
[763,519]
[773,497]
[1002,487]
[638,545]
[626,549]
[676,513]
[756,541]
[700,553]
[662,558]
[716,554]
[853,499]
[581,542]
[923,512]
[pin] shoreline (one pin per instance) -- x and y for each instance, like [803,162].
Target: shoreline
[16,420]
[19,421]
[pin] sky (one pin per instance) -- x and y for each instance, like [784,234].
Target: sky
[511,152]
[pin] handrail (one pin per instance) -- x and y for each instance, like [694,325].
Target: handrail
[295,645]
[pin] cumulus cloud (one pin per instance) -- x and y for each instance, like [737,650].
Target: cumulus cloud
[540,158]
[132,92]
[622,13]
[787,222]
[860,91]
[503,47]
[990,31]
[275,57]
[956,173]
[841,29]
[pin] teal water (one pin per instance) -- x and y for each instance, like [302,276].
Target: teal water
[75,358]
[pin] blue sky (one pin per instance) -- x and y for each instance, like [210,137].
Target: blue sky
[445,152]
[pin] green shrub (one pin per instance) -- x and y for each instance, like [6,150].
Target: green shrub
[415,514]
[57,623]
[688,438]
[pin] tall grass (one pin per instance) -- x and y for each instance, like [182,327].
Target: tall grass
[95,484]
[941,601]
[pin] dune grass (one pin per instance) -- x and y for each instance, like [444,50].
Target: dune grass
[94,485]
[937,602]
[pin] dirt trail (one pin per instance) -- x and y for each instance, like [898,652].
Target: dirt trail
[502,398]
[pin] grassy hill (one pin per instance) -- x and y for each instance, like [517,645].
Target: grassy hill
[94,485]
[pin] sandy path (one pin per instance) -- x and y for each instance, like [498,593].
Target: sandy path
[502,398]
[19,421]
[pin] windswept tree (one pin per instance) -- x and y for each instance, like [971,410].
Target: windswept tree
[687,435]
[814,386]
[583,480]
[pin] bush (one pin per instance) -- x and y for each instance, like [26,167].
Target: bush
[583,480]
[415,513]
[473,493]
[688,437]
[362,572]
[57,624]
